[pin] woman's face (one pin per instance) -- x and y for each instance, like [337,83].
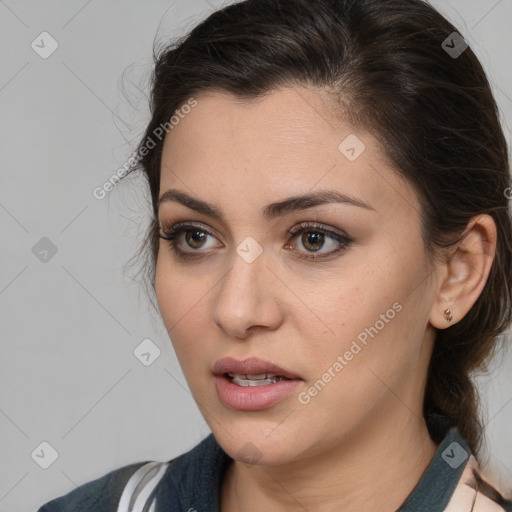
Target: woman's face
[352,324]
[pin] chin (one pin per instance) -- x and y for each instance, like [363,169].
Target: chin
[256,446]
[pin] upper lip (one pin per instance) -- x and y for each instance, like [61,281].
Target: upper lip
[250,366]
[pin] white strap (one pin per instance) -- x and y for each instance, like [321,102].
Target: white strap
[146,491]
[136,493]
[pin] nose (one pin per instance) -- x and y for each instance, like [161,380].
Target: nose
[247,298]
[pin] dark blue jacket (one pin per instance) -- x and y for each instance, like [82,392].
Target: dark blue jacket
[191,483]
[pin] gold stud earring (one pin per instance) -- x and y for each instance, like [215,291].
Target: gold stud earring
[448,315]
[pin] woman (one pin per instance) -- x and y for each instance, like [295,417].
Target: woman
[332,258]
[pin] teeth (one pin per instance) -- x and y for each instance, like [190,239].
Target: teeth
[255,380]
[258,382]
[253,377]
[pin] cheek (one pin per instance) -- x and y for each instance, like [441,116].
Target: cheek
[166,288]
[174,299]
[369,316]
[177,291]
[182,303]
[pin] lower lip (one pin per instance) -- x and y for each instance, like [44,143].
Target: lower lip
[253,398]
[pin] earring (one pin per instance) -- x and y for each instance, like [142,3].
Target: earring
[448,314]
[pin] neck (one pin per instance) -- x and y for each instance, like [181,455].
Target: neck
[375,469]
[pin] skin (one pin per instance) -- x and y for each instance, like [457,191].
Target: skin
[328,454]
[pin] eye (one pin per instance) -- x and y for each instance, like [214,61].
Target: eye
[195,237]
[313,239]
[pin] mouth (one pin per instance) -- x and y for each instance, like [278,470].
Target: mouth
[253,384]
[263,379]
[252,371]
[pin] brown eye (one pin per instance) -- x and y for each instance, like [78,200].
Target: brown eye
[193,243]
[312,240]
[195,239]
[315,237]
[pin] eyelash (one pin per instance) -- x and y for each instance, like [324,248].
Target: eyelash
[171,233]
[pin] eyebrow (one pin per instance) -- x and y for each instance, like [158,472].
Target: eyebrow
[271,211]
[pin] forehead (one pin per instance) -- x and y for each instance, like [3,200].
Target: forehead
[286,115]
[284,143]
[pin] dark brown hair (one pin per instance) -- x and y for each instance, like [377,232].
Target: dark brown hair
[434,115]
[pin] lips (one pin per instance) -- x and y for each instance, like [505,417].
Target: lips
[253,384]
[251,366]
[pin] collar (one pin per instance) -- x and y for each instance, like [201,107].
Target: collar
[194,478]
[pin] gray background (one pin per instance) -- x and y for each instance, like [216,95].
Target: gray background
[69,325]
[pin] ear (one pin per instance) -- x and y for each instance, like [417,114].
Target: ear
[464,272]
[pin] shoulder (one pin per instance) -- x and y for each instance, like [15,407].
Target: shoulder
[478,493]
[142,483]
[100,494]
